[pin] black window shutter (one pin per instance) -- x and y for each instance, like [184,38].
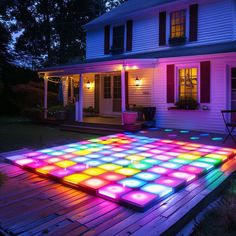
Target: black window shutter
[107,39]
[129,35]
[162,28]
[170,72]
[127,90]
[205,78]
[193,24]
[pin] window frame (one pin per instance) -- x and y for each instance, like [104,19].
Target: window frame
[177,79]
[185,23]
[124,36]
[168,21]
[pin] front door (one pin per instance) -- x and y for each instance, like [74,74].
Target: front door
[111,95]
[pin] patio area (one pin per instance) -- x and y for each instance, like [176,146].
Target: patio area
[56,209]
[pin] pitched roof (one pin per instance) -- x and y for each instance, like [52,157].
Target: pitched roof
[125,9]
[179,51]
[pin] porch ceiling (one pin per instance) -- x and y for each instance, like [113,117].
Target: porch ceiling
[107,66]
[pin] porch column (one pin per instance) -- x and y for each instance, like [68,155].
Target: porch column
[45,98]
[72,89]
[79,103]
[123,99]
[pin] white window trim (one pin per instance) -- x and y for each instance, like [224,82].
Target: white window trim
[187,66]
[125,32]
[168,14]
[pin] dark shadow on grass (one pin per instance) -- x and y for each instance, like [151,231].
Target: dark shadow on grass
[17,133]
[220,220]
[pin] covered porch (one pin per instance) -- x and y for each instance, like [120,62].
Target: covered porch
[101,91]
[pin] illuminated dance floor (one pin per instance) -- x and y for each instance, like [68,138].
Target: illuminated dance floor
[134,171]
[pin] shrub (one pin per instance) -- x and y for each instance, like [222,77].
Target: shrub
[187,104]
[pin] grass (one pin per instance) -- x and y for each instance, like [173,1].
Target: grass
[17,133]
[221,218]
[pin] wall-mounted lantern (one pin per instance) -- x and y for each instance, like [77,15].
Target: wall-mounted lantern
[138,81]
[88,84]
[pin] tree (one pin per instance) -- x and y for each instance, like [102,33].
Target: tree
[52,30]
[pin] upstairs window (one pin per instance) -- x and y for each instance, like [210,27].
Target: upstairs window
[177,28]
[178,24]
[188,85]
[118,39]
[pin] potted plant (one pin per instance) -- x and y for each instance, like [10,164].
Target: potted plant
[129,117]
[89,111]
[187,104]
[57,112]
[149,113]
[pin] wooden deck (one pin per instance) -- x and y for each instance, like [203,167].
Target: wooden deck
[31,205]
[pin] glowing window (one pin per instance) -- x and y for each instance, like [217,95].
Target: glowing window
[177,24]
[188,84]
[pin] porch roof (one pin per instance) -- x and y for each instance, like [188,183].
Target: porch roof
[141,60]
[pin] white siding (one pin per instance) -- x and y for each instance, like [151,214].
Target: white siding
[210,120]
[145,34]
[217,23]
[88,93]
[95,44]
[141,95]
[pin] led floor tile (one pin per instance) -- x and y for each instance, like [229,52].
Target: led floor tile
[113,191]
[45,170]
[110,167]
[160,170]
[36,164]
[138,198]
[170,182]
[196,170]
[182,175]
[170,165]
[158,189]
[130,169]
[140,166]
[150,161]
[94,171]
[212,161]
[111,176]
[132,182]
[61,173]
[76,178]
[147,176]
[204,165]
[24,161]
[65,163]
[127,171]
[93,183]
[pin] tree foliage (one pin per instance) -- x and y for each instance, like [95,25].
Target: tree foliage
[52,30]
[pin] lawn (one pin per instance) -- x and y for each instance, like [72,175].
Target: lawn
[220,219]
[17,133]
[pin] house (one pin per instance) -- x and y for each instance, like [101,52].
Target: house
[157,53]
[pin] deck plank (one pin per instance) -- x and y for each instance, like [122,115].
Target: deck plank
[31,205]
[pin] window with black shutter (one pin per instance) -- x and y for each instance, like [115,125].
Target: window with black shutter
[118,40]
[129,35]
[107,39]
